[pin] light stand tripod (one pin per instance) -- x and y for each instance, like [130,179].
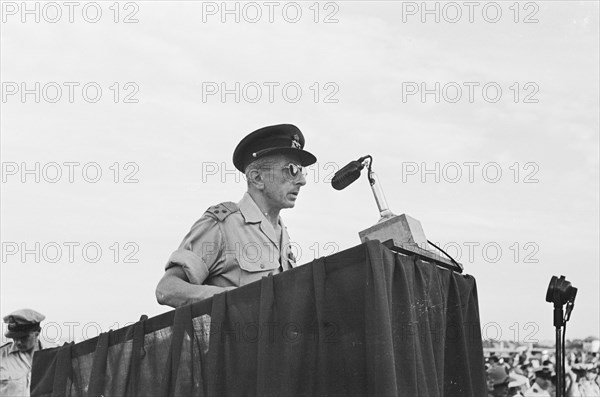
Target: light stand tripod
[561,292]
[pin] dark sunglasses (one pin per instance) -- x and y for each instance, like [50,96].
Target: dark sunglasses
[293,171]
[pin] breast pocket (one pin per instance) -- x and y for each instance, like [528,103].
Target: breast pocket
[13,385]
[254,270]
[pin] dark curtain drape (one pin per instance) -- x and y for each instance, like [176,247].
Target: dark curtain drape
[365,321]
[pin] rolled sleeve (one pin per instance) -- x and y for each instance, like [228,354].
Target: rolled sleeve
[193,265]
[199,251]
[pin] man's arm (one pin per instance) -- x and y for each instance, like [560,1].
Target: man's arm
[174,289]
[191,264]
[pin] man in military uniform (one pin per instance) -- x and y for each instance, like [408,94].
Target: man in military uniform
[235,244]
[543,382]
[16,356]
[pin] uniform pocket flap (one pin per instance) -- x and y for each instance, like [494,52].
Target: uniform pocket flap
[258,265]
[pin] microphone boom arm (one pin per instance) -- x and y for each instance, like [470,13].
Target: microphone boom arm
[400,233]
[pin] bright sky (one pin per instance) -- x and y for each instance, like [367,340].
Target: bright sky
[484,125]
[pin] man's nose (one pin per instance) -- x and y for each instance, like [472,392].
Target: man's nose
[301,180]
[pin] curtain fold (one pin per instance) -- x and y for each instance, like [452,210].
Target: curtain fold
[365,321]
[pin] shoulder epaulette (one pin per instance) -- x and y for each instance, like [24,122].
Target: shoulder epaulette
[223,210]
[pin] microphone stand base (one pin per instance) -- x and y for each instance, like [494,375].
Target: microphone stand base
[403,229]
[404,234]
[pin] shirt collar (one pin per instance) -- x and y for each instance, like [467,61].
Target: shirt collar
[250,210]
[13,348]
[253,214]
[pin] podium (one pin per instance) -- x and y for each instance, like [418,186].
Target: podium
[363,322]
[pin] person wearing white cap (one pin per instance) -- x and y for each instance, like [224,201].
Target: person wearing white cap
[16,356]
[586,385]
[499,381]
[543,376]
[517,385]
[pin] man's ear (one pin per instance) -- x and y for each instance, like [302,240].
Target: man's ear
[255,178]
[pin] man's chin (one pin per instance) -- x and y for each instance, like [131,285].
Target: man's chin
[290,203]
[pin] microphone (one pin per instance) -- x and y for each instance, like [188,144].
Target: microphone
[347,175]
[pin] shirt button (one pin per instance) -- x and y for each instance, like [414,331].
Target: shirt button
[262,266]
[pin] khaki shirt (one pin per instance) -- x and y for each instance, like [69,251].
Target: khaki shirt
[15,370]
[232,245]
[587,388]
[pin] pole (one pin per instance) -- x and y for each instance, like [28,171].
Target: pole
[558,323]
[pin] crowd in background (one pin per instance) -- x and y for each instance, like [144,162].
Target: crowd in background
[526,374]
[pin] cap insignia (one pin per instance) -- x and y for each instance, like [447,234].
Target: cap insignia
[296,142]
